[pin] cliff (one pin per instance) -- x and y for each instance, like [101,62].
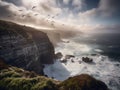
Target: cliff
[25,47]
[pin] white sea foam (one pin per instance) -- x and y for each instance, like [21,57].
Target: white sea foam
[102,67]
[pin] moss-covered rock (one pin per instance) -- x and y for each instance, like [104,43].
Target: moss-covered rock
[82,82]
[20,83]
[13,78]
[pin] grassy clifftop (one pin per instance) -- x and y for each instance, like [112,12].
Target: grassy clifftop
[13,78]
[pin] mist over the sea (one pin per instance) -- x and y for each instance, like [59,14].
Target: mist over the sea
[106,62]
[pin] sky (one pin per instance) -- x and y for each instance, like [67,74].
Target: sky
[84,15]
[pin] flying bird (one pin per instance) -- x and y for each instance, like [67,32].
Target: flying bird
[48,15]
[23,15]
[33,7]
[36,14]
[20,10]
[8,16]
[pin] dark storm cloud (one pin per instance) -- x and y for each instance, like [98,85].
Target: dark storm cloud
[70,12]
[112,6]
[4,11]
[74,6]
[91,4]
[109,11]
[16,2]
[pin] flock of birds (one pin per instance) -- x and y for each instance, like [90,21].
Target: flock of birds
[47,18]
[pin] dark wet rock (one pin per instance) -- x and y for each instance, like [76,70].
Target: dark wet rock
[69,56]
[93,54]
[117,64]
[82,82]
[72,61]
[66,41]
[87,60]
[3,65]
[25,47]
[58,55]
[63,61]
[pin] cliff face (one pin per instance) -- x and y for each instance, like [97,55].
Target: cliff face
[25,47]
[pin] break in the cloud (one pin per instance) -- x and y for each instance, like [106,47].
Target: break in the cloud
[63,14]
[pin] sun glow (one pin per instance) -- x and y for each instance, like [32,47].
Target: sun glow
[29,3]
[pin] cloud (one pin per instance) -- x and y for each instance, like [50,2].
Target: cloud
[12,12]
[66,14]
[16,2]
[66,1]
[106,11]
[77,2]
[109,7]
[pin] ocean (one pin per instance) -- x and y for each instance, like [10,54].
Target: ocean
[103,48]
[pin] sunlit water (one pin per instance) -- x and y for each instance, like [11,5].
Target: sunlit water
[102,68]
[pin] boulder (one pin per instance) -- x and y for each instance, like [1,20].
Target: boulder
[69,56]
[82,82]
[63,61]
[93,54]
[87,60]
[58,55]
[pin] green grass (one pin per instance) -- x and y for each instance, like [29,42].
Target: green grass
[14,78]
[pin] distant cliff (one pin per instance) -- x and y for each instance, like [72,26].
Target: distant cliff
[25,47]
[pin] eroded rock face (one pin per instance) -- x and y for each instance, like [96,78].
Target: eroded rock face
[25,47]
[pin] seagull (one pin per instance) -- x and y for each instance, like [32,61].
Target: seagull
[36,14]
[23,15]
[20,10]
[9,16]
[33,7]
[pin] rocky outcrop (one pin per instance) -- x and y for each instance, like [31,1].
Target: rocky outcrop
[82,82]
[69,56]
[25,47]
[58,55]
[87,60]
